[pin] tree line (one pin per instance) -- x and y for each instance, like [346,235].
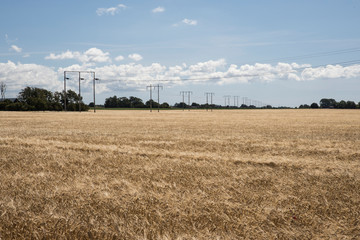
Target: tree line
[332,103]
[38,99]
[132,102]
[195,105]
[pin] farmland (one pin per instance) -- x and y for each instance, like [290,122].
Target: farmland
[256,174]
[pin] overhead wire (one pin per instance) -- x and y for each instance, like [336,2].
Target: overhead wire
[199,79]
[313,55]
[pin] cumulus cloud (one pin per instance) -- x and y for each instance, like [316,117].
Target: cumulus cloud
[17,76]
[119,58]
[95,55]
[331,72]
[92,55]
[65,55]
[110,10]
[135,57]
[16,48]
[189,22]
[158,10]
[136,76]
[219,72]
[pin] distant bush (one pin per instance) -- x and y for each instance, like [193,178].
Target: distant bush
[314,105]
[3,104]
[19,106]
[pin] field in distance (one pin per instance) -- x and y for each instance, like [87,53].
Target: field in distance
[256,174]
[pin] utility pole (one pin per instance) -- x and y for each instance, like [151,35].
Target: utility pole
[80,92]
[236,101]
[79,100]
[211,97]
[246,101]
[207,101]
[158,89]
[183,99]
[209,94]
[188,93]
[151,88]
[94,79]
[227,100]
[65,94]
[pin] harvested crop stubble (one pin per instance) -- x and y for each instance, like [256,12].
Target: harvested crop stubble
[256,174]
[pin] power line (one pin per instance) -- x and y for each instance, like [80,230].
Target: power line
[151,88]
[196,79]
[158,90]
[313,55]
[227,100]
[188,94]
[209,94]
[79,74]
[236,99]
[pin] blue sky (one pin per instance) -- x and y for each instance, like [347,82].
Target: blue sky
[277,52]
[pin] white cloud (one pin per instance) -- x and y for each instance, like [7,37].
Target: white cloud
[331,72]
[95,55]
[189,22]
[136,76]
[65,55]
[158,10]
[207,67]
[119,58]
[110,10]
[16,48]
[135,57]
[18,76]
[92,55]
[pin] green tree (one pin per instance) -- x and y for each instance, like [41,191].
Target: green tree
[314,105]
[327,103]
[165,105]
[195,105]
[4,103]
[181,105]
[350,105]
[136,102]
[72,101]
[111,102]
[123,102]
[40,99]
[341,104]
[19,106]
[154,104]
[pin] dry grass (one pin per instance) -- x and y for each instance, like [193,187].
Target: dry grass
[286,174]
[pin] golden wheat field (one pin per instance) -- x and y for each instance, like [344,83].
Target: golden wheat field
[236,174]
